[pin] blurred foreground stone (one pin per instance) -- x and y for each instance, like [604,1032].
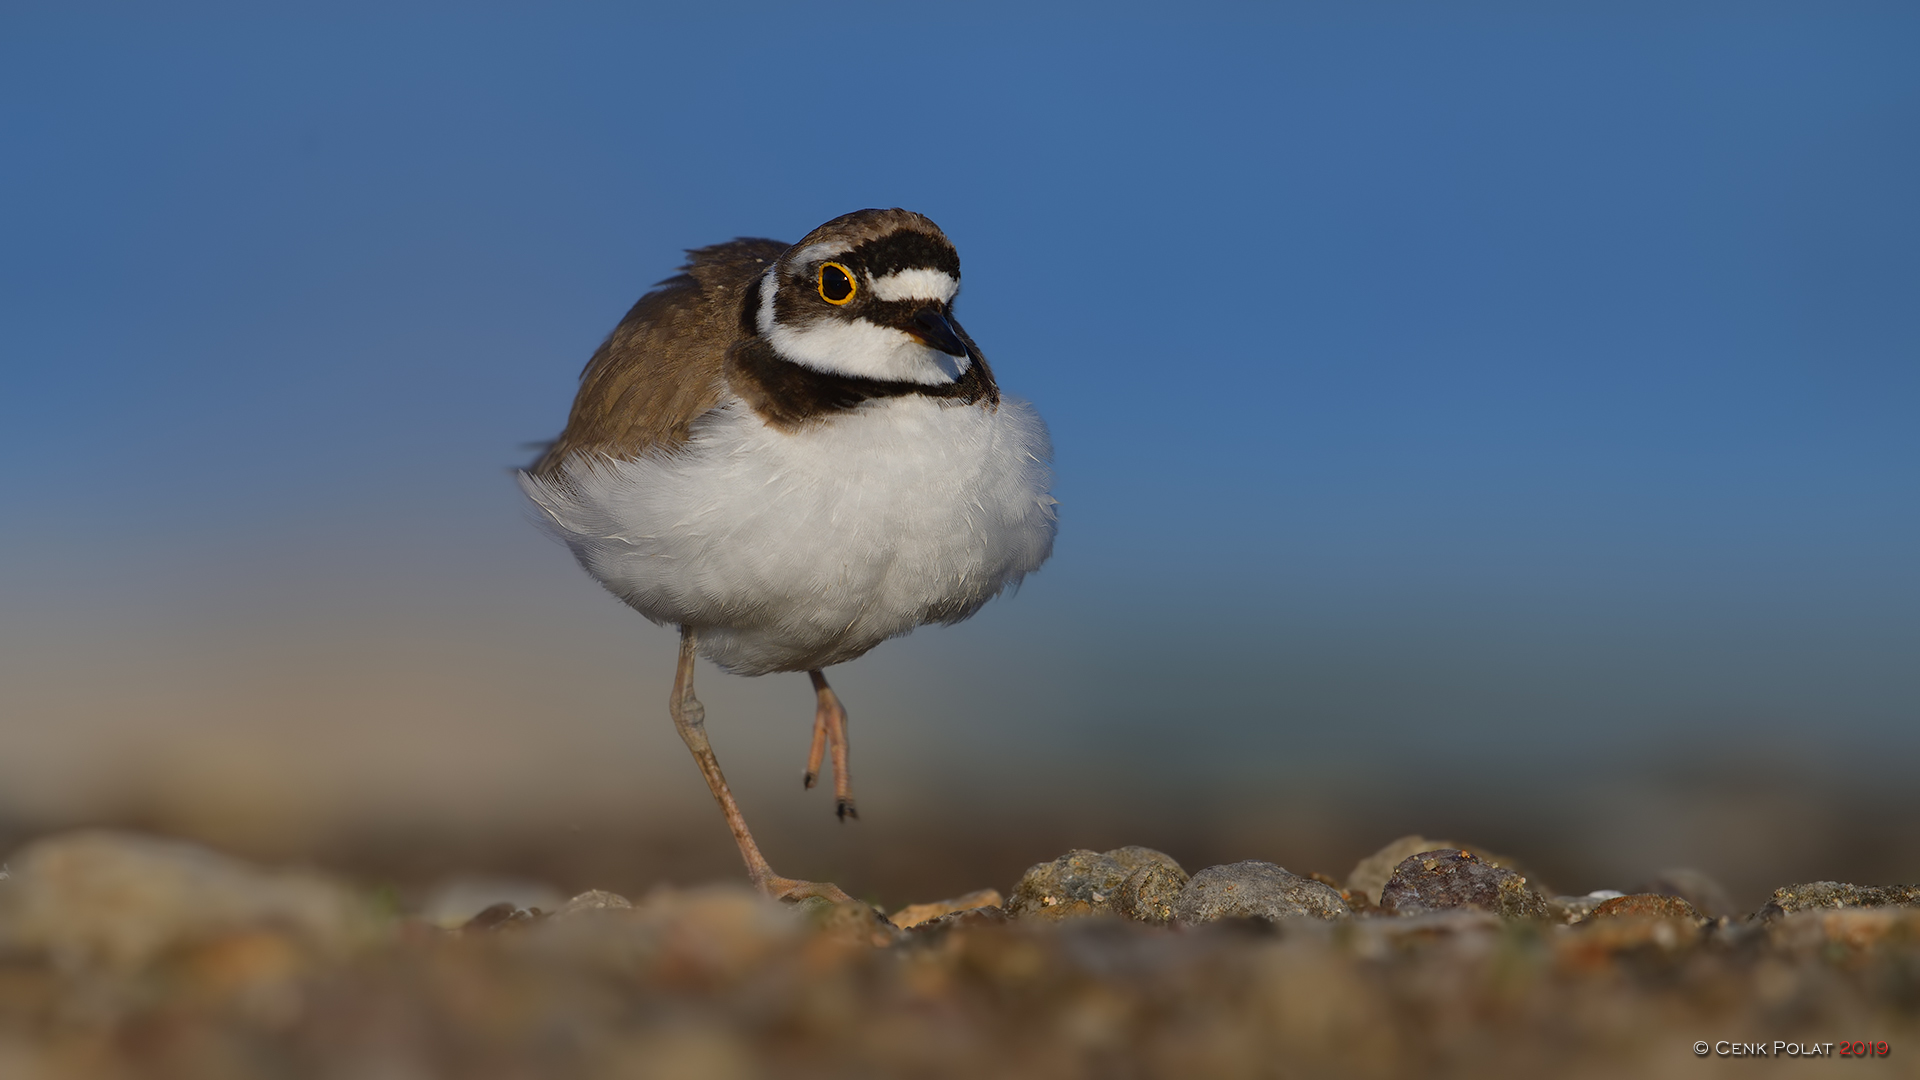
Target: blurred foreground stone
[125,956]
[106,899]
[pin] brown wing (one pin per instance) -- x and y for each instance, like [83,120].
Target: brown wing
[662,367]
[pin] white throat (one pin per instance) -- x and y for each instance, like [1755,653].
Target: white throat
[856,347]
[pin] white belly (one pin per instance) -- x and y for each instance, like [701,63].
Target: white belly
[790,551]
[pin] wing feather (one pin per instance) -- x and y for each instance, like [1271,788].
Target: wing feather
[664,365]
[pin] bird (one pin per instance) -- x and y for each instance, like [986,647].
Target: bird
[792,453]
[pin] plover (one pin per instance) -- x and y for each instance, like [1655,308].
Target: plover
[793,453]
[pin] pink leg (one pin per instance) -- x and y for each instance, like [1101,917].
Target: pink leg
[830,728]
[689,716]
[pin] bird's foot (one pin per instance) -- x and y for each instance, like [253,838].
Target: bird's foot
[833,912]
[793,890]
[844,807]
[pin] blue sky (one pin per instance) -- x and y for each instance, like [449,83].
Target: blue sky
[1499,380]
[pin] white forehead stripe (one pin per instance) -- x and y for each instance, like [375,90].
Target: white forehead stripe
[813,253]
[916,284]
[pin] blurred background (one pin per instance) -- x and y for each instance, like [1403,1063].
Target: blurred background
[1496,423]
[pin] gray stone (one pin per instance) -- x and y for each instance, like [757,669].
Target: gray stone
[1084,882]
[1077,883]
[1149,893]
[1445,879]
[1370,875]
[1134,857]
[1816,895]
[1255,890]
[591,901]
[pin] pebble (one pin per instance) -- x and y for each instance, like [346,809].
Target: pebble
[1696,887]
[1370,875]
[1255,890]
[1816,895]
[591,901]
[1646,904]
[1443,879]
[1571,909]
[914,914]
[1149,893]
[1082,883]
[1134,857]
[940,927]
[498,916]
[457,902]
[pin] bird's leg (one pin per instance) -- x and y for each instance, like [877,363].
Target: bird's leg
[822,717]
[690,718]
[830,728]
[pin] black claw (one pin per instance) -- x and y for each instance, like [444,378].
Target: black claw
[845,809]
[807,781]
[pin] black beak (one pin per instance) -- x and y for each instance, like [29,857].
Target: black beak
[930,325]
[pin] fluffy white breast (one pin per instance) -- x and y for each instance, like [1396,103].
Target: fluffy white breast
[856,347]
[797,550]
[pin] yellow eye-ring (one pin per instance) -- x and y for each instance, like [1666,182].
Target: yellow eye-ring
[836,283]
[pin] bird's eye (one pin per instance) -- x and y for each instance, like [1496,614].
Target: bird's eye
[836,283]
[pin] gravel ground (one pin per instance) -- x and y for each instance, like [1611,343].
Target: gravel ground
[123,955]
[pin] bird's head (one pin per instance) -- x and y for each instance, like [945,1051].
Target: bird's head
[869,295]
